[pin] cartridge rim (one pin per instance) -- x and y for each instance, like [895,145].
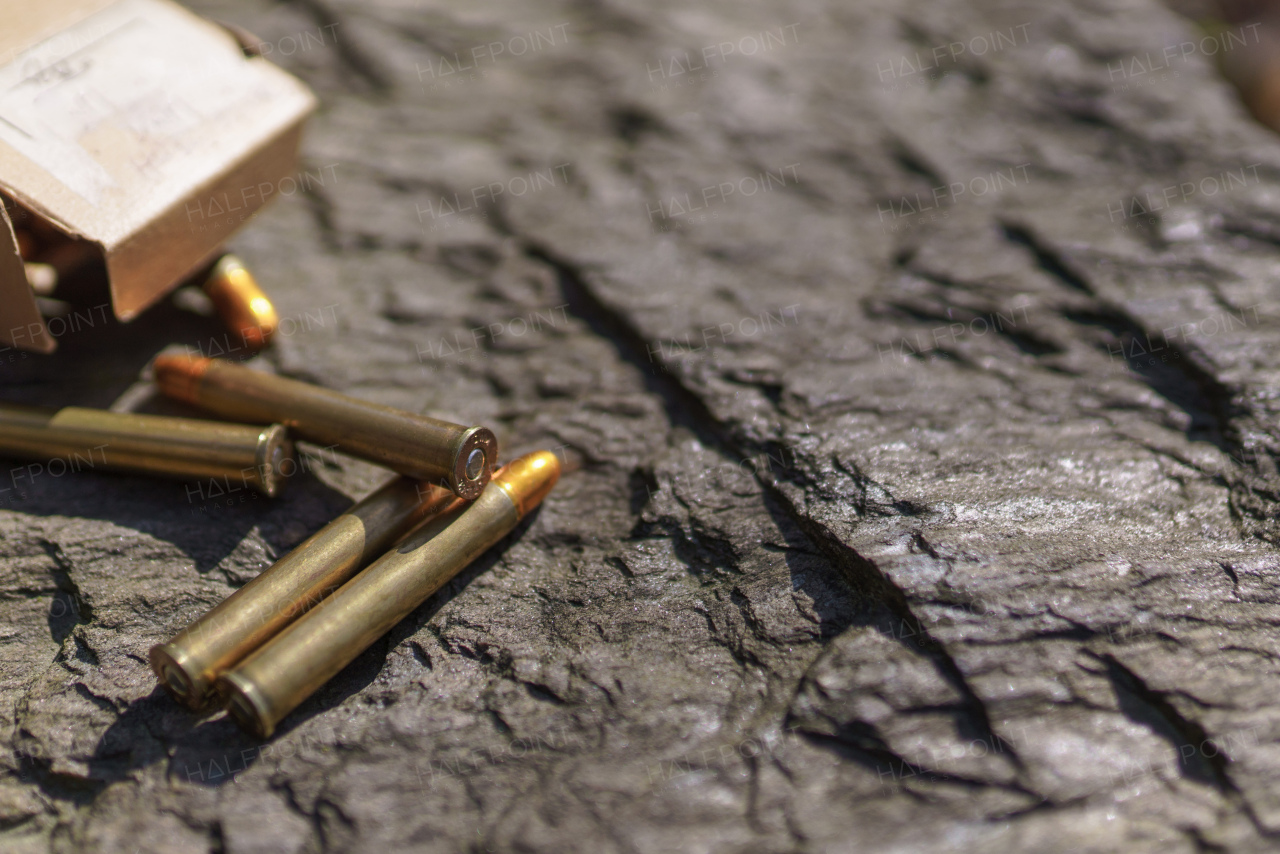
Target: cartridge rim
[274,448]
[170,665]
[245,704]
[468,480]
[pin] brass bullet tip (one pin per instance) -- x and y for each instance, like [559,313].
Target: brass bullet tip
[528,479]
[241,302]
[179,375]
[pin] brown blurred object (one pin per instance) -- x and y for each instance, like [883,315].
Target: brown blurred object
[1254,67]
[240,302]
[1255,70]
[50,256]
[26,243]
[68,255]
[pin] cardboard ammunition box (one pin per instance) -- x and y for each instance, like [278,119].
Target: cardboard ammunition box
[140,128]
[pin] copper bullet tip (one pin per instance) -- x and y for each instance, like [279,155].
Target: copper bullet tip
[528,479]
[179,375]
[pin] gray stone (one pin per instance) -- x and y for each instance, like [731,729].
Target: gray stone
[887,529]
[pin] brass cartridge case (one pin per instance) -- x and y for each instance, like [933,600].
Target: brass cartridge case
[240,302]
[286,670]
[189,664]
[424,448]
[86,439]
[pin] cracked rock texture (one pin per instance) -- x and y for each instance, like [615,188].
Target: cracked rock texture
[923,425]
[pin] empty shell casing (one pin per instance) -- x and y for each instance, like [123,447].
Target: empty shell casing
[188,665]
[241,304]
[87,439]
[286,670]
[414,445]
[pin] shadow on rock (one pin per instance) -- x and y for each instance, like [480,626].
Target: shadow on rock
[98,357]
[207,752]
[835,602]
[204,527]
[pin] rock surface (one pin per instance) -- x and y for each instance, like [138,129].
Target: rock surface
[921,400]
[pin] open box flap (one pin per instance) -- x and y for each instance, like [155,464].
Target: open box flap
[20,322]
[144,129]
